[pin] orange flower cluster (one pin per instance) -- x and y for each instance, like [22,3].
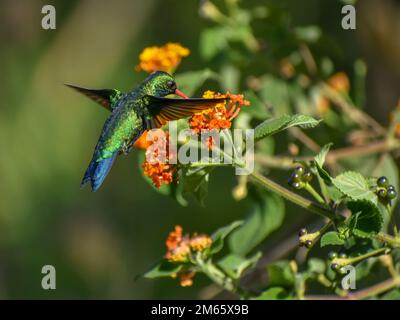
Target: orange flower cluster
[179,246]
[165,58]
[219,117]
[156,165]
[339,82]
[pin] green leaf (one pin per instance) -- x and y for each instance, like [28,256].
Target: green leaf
[392,295]
[319,162]
[366,219]
[163,268]
[280,274]
[321,156]
[213,41]
[309,34]
[276,93]
[355,186]
[331,239]
[234,265]
[266,216]
[189,82]
[195,181]
[219,236]
[275,125]
[257,108]
[274,293]
[316,265]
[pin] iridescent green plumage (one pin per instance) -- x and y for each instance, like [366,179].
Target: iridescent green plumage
[131,114]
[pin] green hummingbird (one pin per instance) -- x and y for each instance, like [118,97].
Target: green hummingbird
[143,108]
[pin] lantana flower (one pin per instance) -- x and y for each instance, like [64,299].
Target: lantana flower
[179,249]
[165,58]
[156,165]
[219,117]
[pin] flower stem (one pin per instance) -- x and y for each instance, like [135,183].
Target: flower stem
[293,197]
[314,193]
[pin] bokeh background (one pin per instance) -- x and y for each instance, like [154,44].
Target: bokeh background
[99,242]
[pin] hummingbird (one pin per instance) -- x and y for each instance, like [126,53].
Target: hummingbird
[144,108]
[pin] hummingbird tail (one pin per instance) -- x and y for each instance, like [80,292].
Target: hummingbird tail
[97,172]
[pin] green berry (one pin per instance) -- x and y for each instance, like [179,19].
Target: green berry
[382,182]
[295,177]
[391,194]
[342,270]
[332,255]
[391,187]
[382,193]
[302,232]
[307,177]
[342,255]
[299,170]
[297,185]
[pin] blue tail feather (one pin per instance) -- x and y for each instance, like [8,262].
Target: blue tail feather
[97,172]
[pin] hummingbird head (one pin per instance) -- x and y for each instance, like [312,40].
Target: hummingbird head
[161,84]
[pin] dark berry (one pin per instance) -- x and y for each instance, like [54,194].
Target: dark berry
[382,182]
[302,232]
[342,255]
[391,187]
[332,255]
[334,266]
[382,193]
[308,244]
[307,177]
[391,194]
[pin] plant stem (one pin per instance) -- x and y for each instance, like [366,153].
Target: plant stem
[293,197]
[361,294]
[393,242]
[314,193]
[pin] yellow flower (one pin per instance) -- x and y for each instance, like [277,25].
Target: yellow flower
[165,58]
[200,242]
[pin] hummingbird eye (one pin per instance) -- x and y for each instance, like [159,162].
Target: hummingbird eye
[171,85]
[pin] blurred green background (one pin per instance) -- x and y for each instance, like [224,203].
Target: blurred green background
[99,242]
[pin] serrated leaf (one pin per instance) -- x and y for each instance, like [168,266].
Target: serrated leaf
[275,125]
[234,265]
[219,236]
[266,216]
[331,239]
[321,156]
[355,186]
[163,268]
[275,293]
[366,219]
[319,163]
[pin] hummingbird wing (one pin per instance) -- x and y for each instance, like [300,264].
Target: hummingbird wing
[101,96]
[163,110]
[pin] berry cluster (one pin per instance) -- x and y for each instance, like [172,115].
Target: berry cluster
[303,241]
[384,190]
[299,178]
[335,266]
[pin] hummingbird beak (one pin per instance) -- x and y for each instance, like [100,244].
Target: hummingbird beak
[181,94]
